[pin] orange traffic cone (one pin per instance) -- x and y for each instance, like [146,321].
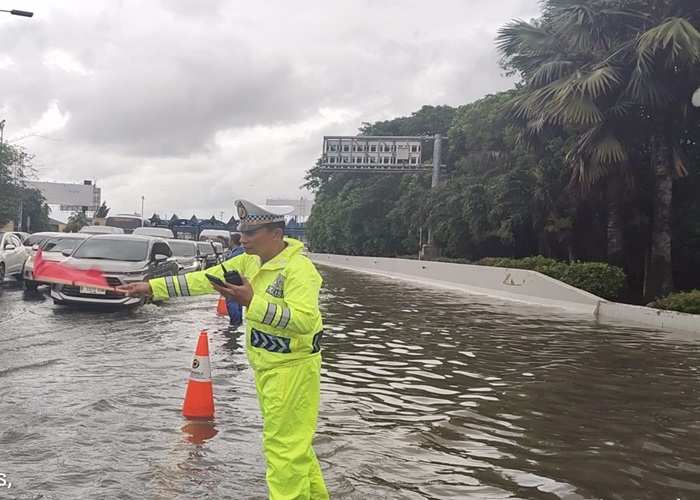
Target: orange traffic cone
[221,308]
[199,399]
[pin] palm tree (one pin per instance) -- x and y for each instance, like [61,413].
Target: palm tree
[76,222]
[615,71]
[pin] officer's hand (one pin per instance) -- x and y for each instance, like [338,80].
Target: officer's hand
[242,294]
[136,289]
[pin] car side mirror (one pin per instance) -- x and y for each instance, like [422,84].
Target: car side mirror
[35,248]
[67,252]
[159,257]
[10,246]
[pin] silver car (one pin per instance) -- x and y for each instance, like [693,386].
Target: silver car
[186,254]
[122,259]
[52,248]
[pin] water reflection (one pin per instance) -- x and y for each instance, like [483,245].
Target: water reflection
[470,397]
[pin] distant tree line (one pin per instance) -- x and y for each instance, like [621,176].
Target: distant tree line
[15,197]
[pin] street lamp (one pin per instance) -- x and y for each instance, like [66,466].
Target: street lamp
[2,129]
[143,199]
[22,13]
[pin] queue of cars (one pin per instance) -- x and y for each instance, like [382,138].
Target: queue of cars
[121,258]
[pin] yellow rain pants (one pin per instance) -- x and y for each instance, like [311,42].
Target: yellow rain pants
[289,401]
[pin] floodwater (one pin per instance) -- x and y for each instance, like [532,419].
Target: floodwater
[427,394]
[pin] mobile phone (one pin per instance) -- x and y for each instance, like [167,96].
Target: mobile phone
[214,280]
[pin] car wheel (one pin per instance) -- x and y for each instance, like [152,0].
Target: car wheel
[2,273]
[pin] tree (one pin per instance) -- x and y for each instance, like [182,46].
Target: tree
[616,72]
[35,211]
[15,198]
[372,213]
[76,222]
[10,194]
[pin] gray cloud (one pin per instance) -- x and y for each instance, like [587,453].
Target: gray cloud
[191,104]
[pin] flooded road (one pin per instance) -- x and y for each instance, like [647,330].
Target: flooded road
[427,394]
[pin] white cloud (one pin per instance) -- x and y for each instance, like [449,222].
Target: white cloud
[194,104]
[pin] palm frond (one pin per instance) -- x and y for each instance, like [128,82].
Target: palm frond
[550,71]
[681,163]
[599,81]
[572,108]
[518,36]
[677,37]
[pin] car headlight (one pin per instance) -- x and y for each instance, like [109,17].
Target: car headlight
[30,258]
[136,275]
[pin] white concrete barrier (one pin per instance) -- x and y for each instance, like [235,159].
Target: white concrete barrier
[512,284]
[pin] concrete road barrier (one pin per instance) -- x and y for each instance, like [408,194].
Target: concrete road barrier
[513,284]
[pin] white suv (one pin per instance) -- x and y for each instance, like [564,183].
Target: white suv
[12,256]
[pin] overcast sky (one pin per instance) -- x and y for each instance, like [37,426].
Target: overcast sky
[195,103]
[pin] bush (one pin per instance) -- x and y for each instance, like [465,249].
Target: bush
[687,302]
[598,278]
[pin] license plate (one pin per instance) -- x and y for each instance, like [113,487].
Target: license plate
[92,291]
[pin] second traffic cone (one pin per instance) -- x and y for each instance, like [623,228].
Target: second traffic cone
[199,399]
[221,308]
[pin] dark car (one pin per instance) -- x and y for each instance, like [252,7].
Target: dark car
[122,259]
[208,254]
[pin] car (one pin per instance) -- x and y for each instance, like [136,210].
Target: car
[122,259]
[51,250]
[21,235]
[221,235]
[160,232]
[186,254]
[101,230]
[208,255]
[12,256]
[32,243]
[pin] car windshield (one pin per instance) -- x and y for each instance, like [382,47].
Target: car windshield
[112,249]
[36,239]
[205,248]
[182,248]
[61,243]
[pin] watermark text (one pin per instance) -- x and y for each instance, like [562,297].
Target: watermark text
[4,482]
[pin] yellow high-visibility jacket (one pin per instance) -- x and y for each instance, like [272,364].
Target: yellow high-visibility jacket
[283,322]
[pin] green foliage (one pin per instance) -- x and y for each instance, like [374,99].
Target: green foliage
[35,211]
[620,74]
[566,165]
[598,278]
[10,194]
[687,302]
[76,222]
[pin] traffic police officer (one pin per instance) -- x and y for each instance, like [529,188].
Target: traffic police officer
[283,334]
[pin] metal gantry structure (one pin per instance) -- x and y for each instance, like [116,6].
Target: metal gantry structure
[383,154]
